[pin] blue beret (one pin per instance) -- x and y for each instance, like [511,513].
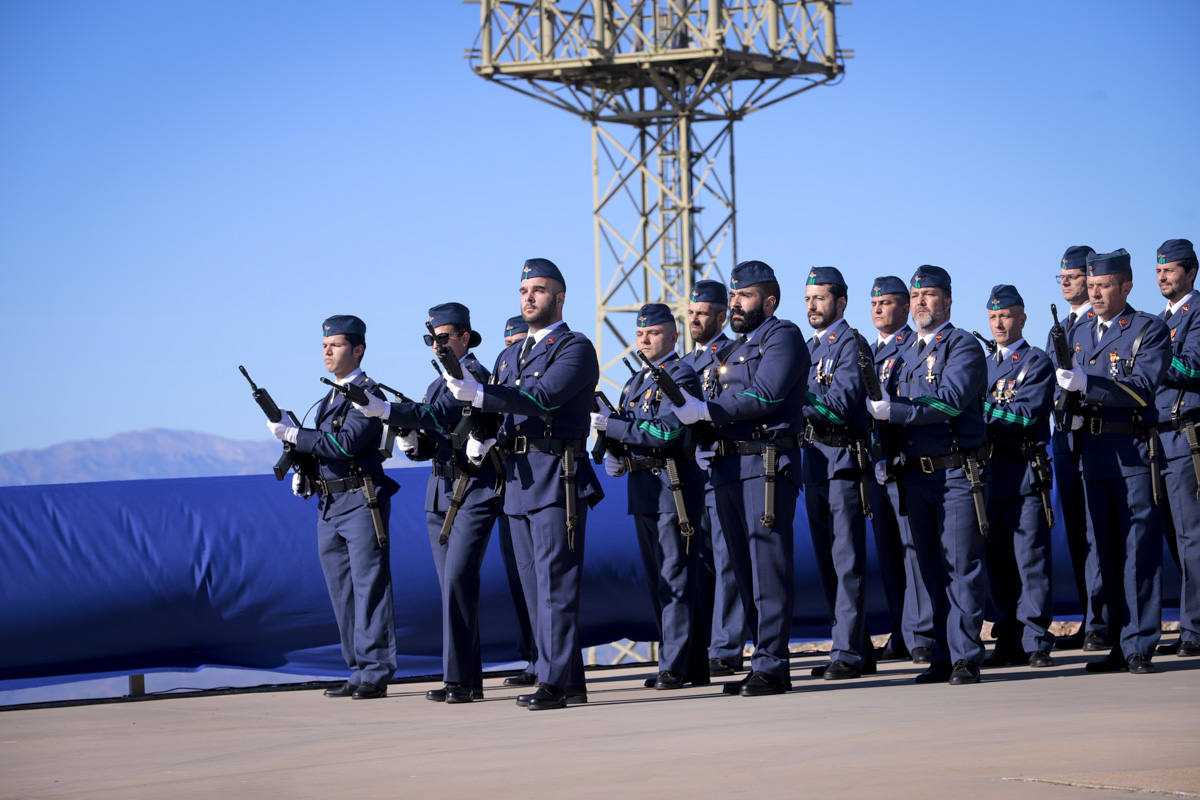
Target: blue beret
[1112,263]
[515,325]
[542,268]
[1076,257]
[819,275]
[344,323]
[654,314]
[928,276]
[710,292]
[888,284]
[1175,250]
[749,273]
[1004,296]
[454,314]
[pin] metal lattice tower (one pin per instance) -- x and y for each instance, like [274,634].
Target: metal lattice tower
[662,82]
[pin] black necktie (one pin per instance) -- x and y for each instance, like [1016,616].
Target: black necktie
[878,346]
[1101,329]
[1071,319]
[525,348]
[1167,315]
[921,346]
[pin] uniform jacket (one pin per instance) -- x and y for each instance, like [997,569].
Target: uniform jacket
[1119,391]
[1016,408]
[436,417]
[550,396]
[939,394]
[1183,374]
[704,363]
[343,440]
[650,430]
[836,401]
[761,396]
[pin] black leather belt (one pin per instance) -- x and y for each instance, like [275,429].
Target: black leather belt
[1099,425]
[827,437]
[446,470]
[1008,450]
[1176,424]
[929,464]
[556,447]
[755,447]
[351,484]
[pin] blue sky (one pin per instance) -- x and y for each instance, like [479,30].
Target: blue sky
[186,186]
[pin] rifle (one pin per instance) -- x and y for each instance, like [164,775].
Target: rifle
[704,432]
[304,465]
[988,344]
[1066,404]
[602,443]
[446,356]
[870,379]
[1043,479]
[973,468]
[356,394]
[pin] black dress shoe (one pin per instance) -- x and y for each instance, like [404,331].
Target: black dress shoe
[839,670]
[819,670]
[546,697]
[668,680]
[1113,662]
[894,651]
[1139,664]
[457,693]
[437,695]
[1072,642]
[1040,658]
[1168,649]
[921,655]
[1004,654]
[1094,642]
[935,673]
[964,672]
[522,679]
[575,697]
[735,687]
[763,683]
[345,690]
[718,668]
[369,691]
[1188,649]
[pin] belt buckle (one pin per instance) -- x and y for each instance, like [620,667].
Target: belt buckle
[1095,425]
[520,446]
[809,432]
[926,465]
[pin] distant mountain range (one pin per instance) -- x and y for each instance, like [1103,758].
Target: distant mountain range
[156,453]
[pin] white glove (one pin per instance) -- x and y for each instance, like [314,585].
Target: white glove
[298,485]
[463,389]
[476,449]
[408,443]
[692,411]
[880,409]
[880,473]
[704,458]
[283,430]
[600,419]
[613,466]
[1072,380]
[375,407]
[1076,422]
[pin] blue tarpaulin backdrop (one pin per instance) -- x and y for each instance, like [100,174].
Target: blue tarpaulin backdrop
[131,576]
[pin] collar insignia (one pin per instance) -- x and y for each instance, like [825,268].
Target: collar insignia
[1122,322]
[938,338]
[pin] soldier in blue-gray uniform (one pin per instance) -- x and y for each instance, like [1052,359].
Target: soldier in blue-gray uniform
[665,495]
[1178,403]
[835,470]
[474,491]
[1120,361]
[351,539]
[707,312]
[907,595]
[938,398]
[758,416]
[1068,477]
[515,329]
[544,392]
[1016,408]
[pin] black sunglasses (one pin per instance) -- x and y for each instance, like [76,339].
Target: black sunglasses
[442,338]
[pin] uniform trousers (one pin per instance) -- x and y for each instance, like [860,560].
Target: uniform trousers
[1180,480]
[839,538]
